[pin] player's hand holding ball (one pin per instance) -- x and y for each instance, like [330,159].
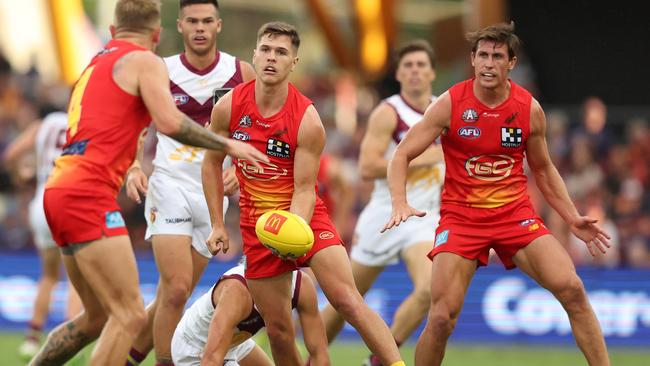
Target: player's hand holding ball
[286,234]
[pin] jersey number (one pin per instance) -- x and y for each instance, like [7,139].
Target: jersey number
[185,153]
[74,109]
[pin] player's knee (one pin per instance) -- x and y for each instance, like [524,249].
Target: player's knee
[348,304]
[441,322]
[572,295]
[279,332]
[176,293]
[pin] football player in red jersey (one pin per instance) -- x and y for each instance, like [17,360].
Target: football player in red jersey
[177,216]
[487,125]
[272,115]
[124,87]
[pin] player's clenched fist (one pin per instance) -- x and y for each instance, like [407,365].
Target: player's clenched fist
[218,240]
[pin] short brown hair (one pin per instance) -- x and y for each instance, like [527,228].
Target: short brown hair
[501,33]
[280,28]
[137,15]
[415,46]
[184,3]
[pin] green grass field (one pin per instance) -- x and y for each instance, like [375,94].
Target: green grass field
[352,354]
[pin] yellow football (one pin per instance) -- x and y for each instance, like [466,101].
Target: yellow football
[286,234]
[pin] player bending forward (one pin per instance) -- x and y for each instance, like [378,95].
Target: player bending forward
[218,328]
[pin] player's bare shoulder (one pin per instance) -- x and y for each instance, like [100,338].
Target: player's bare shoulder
[311,129]
[438,114]
[136,63]
[537,118]
[383,118]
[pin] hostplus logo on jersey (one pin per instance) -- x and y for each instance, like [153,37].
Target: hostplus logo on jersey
[278,148]
[470,115]
[241,135]
[511,137]
[245,121]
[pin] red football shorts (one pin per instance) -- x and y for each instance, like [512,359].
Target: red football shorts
[471,232]
[262,263]
[81,216]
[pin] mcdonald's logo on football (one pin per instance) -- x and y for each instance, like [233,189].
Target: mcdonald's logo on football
[274,223]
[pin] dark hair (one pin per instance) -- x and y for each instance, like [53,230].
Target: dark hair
[501,33]
[137,15]
[184,3]
[415,46]
[280,28]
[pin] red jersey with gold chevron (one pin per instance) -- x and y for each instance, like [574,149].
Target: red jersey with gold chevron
[271,187]
[484,148]
[104,122]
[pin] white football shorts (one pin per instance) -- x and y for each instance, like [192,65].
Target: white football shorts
[173,209]
[38,223]
[375,249]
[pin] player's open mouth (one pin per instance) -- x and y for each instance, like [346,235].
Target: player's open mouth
[200,39]
[269,69]
[488,75]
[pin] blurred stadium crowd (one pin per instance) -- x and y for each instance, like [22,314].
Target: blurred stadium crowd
[602,152]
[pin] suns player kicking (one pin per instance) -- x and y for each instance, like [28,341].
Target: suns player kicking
[218,328]
[175,209]
[270,114]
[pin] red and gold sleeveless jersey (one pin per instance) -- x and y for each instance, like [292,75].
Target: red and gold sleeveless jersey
[272,186]
[104,122]
[484,148]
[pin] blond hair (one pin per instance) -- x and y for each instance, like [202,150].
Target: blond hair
[137,15]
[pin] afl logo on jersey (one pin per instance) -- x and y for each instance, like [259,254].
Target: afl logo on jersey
[181,99]
[241,136]
[470,115]
[469,132]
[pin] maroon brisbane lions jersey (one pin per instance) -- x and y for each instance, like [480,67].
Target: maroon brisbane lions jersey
[484,148]
[269,188]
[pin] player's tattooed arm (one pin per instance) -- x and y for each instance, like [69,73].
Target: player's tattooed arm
[190,133]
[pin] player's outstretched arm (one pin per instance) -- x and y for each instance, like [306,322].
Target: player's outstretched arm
[417,139]
[311,322]
[136,181]
[233,303]
[311,140]
[212,176]
[552,186]
[153,85]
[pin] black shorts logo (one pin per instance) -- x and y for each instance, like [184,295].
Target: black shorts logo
[277,148]
[511,137]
